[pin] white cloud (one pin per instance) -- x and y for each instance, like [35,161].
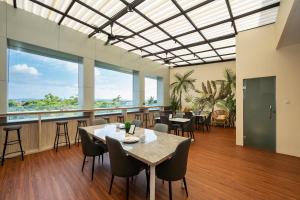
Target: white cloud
[25,69]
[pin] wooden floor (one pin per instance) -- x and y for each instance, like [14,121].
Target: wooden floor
[217,169]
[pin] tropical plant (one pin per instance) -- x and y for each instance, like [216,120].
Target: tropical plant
[174,104]
[229,104]
[182,84]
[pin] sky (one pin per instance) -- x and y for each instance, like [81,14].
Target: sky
[33,76]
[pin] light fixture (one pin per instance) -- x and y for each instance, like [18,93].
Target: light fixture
[129,9]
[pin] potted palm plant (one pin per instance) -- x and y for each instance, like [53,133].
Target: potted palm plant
[127,126]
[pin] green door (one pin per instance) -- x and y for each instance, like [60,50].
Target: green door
[259,113]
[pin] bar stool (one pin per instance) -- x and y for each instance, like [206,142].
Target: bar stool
[138,116]
[146,118]
[120,119]
[80,123]
[65,133]
[12,142]
[107,119]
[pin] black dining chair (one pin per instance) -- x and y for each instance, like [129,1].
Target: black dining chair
[90,148]
[174,169]
[123,165]
[207,122]
[188,115]
[171,126]
[188,128]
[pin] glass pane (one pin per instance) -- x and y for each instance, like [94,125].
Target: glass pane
[150,91]
[112,88]
[39,82]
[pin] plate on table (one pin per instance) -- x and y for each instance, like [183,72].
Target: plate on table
[131,139]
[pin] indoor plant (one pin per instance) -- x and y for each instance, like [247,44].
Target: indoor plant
[127,126]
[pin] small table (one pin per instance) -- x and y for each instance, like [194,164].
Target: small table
[179,120]
[157,148]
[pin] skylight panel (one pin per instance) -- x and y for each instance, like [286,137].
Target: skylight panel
[213,59]
[118,30]
[158,10]
[107,7]
[124,46]
[242,6]
[210,13]
[188,57]
[227,57]
[207,54]
[203,47]
[190,38]
[176,60]
[217,31]
[153,49]
[226,50]
[256,20]
[223,43]
[154,34]
[186,4]
[180,52]
[169,44]
[83,14]
[138,41]
[134,21]
[177,26]
[182,63]
[195,61]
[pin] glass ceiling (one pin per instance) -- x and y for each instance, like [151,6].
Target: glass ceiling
[171,32]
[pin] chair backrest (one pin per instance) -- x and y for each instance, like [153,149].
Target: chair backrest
[179,115]
[188,115]
[189,126]
[137,123]
[164,119]
[208,119]
[88,146]
[175,168]
[99,121]
[161,127]
[121,164]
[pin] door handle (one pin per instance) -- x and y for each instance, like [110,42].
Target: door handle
[270,112]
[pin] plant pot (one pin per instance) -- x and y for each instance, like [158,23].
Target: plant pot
[127,130]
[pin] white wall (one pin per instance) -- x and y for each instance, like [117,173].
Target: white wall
[202,73]
[258,57]
[25,27]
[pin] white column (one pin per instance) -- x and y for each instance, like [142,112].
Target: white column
[160,91]
[3,75]
[138,88]
[86,84]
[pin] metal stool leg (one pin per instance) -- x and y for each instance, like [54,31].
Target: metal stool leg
[67,133]
[19,138]
[4,148]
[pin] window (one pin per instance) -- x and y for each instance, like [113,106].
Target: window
[150,91]
[113,88]
[39,81]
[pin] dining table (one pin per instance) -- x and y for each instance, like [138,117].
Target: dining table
[155,148]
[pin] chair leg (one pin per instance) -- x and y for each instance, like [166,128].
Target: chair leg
[185,187]
[4,148]
[102,158]
[19,138]
[58,129]
[147,178]
[111,182]
[93,166]
[170,190]
[127,188]
[83,163]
